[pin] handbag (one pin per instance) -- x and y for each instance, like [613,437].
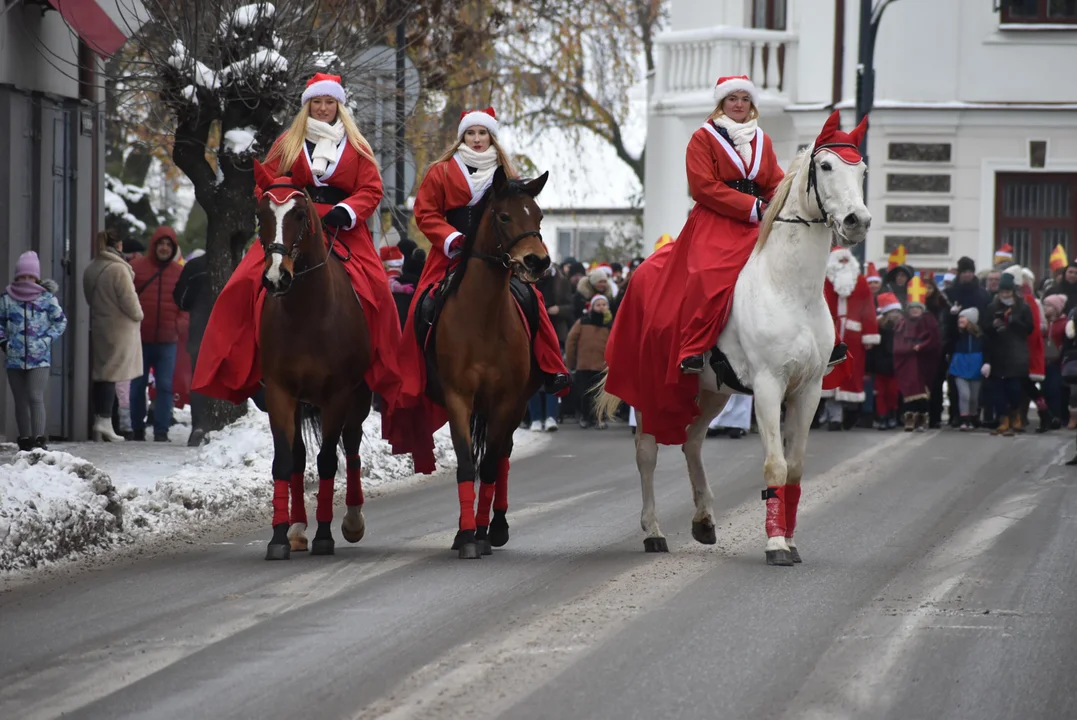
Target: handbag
[1069,371]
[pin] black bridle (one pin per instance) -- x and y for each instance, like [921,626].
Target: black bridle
[813,184]
[502,257]
[278,248]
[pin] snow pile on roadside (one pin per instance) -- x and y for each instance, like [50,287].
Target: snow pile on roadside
[53,504]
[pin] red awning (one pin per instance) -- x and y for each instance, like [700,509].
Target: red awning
[94,26]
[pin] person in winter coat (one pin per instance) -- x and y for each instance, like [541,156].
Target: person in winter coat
[937,305]
[31,319]
[156,275]
[1024,279]
[560,305]
[966,366]
[1006,356]
[585,352]
[917,346]
[194,296]
[881,363]
[1054,338]
[115,329]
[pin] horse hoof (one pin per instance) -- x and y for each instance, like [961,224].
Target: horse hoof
[353,535]
[655,545]
[703,532]
[499,529]
[784,558]
[485,547]
[278,551]
[470,551]
[322,546]
[298,543]
[795,554]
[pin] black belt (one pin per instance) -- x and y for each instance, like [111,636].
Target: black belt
[326,195]
[749,187]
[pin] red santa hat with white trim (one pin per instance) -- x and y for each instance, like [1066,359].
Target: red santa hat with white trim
[734,83]
[392,259]
[484,118]
[873,274]
[324,85]
[886,302]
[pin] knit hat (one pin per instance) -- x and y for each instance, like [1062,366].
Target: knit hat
[324,85]
[971,314]
[483,118]
[1058,302]
[596,276]
[28,264]
[966,264]
[733,83]
[1007,282]
[886,302]
[597,297]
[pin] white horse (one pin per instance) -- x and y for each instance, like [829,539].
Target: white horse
[778,340]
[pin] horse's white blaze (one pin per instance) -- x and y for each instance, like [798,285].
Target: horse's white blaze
[273,274]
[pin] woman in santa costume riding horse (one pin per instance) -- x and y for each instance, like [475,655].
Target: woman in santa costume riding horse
[323,152]
[446,210]
[732,175]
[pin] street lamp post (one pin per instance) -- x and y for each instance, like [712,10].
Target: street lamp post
[871,12]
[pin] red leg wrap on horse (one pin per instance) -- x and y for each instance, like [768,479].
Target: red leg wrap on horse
[355,484]
[501,485]
[280,501]
[486,499]
[776,512]
[299,507]
[792,500]
[466,491]
[325,500]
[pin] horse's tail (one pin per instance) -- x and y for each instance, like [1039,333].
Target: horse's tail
[311,417]
[478,439]
[605,404]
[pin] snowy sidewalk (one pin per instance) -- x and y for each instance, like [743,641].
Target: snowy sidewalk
[86,497]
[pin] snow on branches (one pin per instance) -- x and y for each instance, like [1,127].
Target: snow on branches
[118,216]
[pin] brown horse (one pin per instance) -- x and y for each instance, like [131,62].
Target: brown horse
[483,355]
[315,349]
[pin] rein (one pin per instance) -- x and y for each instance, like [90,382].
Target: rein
[279,248]
[813,184]
[502,258]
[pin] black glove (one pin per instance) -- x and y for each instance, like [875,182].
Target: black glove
[338,217]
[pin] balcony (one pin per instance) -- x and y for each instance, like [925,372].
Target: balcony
[691,61]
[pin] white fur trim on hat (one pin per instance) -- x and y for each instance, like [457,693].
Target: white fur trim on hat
[325,88]
[1018,275]
[733,85]
[477,117]
[887,308]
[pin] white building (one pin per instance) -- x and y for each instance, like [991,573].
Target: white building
[973,137]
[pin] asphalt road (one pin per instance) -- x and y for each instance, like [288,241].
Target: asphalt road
[938,582]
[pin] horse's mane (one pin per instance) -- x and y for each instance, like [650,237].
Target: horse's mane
[781,195]
[511,187]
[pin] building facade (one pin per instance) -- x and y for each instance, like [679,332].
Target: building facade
[52,169]
[971,143]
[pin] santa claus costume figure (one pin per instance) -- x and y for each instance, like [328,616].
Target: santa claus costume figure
[853,309]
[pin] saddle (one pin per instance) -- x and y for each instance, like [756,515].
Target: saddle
[428,312]
[724,371]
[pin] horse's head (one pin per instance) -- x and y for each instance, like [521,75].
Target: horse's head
[285,217]
[836,175]
[515,218]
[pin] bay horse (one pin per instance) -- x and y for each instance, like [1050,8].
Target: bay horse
[315,349]
[484,365]
[778,340]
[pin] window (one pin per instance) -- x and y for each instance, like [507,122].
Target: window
[580,243]
[564,244]
[918,214]
[920,152]
[917,183]
[769,14]
[1038,12]
[1034,213]
[918,244]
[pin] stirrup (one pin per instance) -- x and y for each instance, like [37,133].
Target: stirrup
[692,365]
[556,383]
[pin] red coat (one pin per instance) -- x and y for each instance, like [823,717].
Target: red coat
[687,293]
[228,362]
[856,325]
[161,317]
[411,426]
[1037,365]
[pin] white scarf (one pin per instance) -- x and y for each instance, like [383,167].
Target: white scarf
[326,138]
[485,164]
[741,134]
